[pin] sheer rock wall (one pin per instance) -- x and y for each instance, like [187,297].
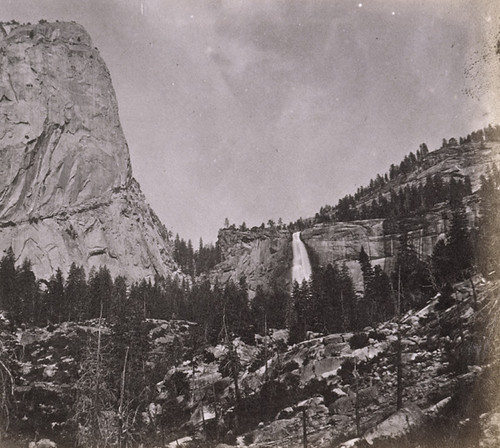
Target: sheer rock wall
[66,187]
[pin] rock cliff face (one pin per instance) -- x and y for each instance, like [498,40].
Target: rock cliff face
[266,257]
[341,242]
[66,187]
[249,253]
[261,257]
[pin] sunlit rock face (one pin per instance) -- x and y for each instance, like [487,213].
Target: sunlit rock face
[60,134]
[66,187]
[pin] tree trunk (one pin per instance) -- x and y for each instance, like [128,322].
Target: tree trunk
[98,373]
[304,426]
[122,396]
[357,415]
[265,346]
[399,354]
[399,363]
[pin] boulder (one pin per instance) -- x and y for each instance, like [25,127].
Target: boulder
[490,429]
[43,443]
[398,424]
[342,405]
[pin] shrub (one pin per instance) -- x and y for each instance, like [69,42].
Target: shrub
[445,300]
[258,361]
[358,340]
[446,329]
[321,387]
[179,383]
[345,371]
[377,336]
[208,357]
[290,366]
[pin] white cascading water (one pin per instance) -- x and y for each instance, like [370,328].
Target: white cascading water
[301,266]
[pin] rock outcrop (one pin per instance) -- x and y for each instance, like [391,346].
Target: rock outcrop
[341,242]
[265,256]
[262,257]
[66,188]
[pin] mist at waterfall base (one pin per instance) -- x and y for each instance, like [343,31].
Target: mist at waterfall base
[301,265]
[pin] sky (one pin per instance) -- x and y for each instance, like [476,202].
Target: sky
[260,109]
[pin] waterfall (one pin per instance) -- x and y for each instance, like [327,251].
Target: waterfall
[301,266]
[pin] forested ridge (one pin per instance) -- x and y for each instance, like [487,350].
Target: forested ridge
[384,197]
[389,195]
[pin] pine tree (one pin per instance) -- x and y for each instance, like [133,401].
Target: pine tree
[100,286]
[8,293]
[28,296]
[76,294]
[277,305]
[412,274]
[459,245]
[347,299]
[259,309]
[488,237]
[130,346]
[118,306]
[366,307]
[296,322]
[440,263]
[55,297]
[382,292]
[366,268]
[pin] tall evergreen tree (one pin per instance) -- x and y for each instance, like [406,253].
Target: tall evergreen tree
[459,242]
[76,294]
[347,299]
[366,306]
[382,292]
[298,313]
[410,274]
[260,310]
[28,296]
[488,237]
[55,298]
[130,346]
[118,305]
[8,293]
[100,288]
[440,262]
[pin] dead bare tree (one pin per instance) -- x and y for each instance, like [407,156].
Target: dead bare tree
[94,403]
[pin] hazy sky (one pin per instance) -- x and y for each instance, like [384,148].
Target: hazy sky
[255,110]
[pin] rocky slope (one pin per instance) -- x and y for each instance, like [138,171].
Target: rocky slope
[251,253]
[66,187]
[450,374]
